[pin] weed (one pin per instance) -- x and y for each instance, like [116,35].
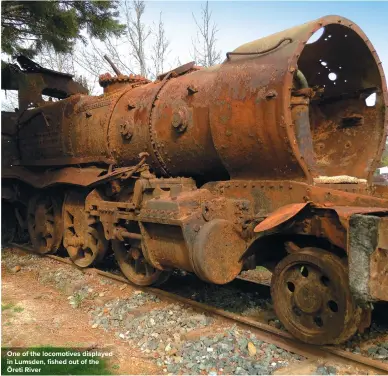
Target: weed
[18,309]
[77,299]
[6,306]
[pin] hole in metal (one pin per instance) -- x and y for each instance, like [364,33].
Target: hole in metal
[332,76]
[316,36]
[291,286]
[333,306]
[370,101]
[323,63]
[318,321]
[325,281]
[304,271]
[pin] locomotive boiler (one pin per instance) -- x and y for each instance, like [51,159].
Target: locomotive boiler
[266,159]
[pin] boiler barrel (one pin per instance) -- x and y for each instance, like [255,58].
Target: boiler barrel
[244,119]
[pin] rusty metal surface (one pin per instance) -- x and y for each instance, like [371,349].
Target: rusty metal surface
[380,190]
[217,252]
[287,212]
[85,177]
[251,103]
[179,70]
[45,222]
[33,81]
[280,216]
[83,235]
[312,297]
[264,141]
[134,265]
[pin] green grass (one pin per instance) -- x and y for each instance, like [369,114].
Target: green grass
[77,299]
[4,307]
[11,306]
[102,368]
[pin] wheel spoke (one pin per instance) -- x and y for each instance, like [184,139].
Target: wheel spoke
[148,269]
[137,265]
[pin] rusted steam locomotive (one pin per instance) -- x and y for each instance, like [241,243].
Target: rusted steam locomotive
[266,159]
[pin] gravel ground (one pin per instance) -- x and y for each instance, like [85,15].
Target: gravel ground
[179,339]
[255,303]
[160,332]
[12,260]
[373,343]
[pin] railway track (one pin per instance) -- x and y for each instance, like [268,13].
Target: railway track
[263,331]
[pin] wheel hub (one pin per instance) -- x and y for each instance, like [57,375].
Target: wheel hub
[307,298]
[83,237]
[134,265]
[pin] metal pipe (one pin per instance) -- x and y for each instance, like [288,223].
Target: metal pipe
[106,57]
[131,235]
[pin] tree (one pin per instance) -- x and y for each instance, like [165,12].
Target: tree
[137,32]
[29,26]
[160,48]
[205,51]
[58,61]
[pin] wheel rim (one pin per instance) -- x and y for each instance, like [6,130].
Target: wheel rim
[134,265]
[45,223]
[312,297]
[83,237]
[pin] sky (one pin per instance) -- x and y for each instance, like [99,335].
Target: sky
[239,22]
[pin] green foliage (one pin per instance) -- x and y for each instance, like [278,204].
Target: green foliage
[28,26]
[77,299]
[11,306]
[4,307]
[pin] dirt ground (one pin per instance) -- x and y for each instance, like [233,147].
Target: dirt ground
[36,312]
[46,318]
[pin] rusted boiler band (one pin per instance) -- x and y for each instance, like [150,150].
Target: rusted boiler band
[272,110]
[277,103]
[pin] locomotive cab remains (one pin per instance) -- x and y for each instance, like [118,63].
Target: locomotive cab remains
[264,160]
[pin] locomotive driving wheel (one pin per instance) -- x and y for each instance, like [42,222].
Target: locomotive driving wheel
[44,222]
[134,265]
[312,298]
[83,235]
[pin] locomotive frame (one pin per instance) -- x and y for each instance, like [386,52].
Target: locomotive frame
[261,160]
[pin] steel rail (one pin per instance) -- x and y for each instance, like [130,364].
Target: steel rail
[263,331]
